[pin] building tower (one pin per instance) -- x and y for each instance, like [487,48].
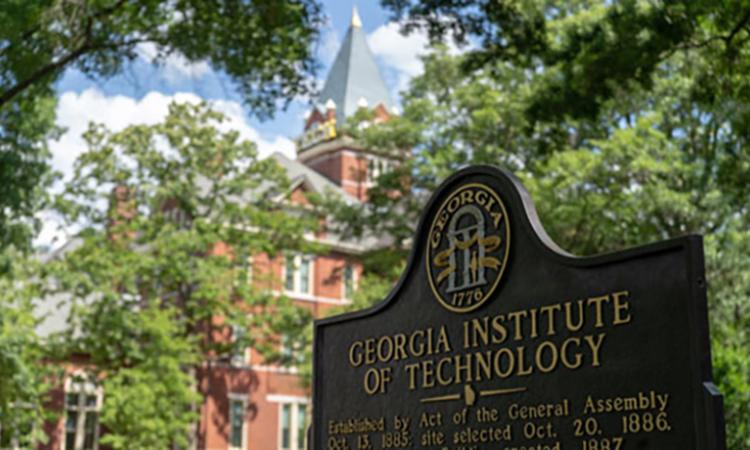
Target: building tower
[354,82]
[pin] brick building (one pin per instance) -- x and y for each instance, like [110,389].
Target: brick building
[248,403]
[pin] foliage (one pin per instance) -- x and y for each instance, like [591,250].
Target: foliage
[155,278]
[25,128]
[732,368]
[263,46]
[26,380]
[653,161]
[154,385]
[589,51]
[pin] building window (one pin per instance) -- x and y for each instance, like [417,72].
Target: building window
[293,422]
[286,426]
[239,351]
[348,281]
[243,265]
[290,350]
[298,274]
[178,217]
[237,406]
[377,167]
[82,404]
[304,275]
[301,424]
[289,270]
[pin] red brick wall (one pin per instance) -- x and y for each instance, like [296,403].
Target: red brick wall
[344,168]
[261,415]
[260,380]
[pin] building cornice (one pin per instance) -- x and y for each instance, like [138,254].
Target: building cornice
[321,148]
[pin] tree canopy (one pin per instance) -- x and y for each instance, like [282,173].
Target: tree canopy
[155,282]
[265,47]
[589,51]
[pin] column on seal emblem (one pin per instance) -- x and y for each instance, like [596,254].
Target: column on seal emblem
[463,240]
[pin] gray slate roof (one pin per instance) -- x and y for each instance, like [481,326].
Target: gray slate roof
[297,171]
[354,75]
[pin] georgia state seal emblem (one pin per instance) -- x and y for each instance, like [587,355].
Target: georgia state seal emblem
[468,247]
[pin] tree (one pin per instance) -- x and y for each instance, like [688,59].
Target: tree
[655,162]
[263,46]
[589,50]
[165,211]
[26,380]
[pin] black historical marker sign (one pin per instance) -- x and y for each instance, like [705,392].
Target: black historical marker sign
[494,338]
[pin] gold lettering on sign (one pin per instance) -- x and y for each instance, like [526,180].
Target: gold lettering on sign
[515,344]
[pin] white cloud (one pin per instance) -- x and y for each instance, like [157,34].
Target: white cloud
[398,51]
[53,234]
[176,66]
[75,111]
[401,53]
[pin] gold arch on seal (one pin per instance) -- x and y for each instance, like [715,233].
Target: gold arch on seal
[501,271]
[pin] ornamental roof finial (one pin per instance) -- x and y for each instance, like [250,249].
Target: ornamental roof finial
[356,21]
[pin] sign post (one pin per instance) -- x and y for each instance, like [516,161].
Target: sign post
[495,338]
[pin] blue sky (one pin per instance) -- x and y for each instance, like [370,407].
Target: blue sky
[143,91]
[143,86]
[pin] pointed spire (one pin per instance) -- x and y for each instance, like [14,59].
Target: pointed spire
[354,74]
[356,21]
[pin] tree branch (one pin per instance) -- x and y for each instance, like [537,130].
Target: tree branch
[745,20]
[727,39]
[49,69]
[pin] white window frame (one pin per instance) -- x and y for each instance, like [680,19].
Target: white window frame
[288,350]
[236,397]
[239,359]
[343,280]
[247,266]
[297,259]
[377,166]
[80,383]
[294,427]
